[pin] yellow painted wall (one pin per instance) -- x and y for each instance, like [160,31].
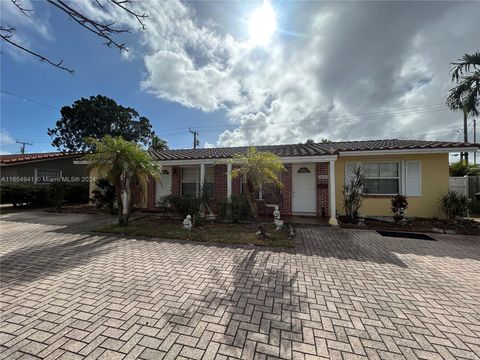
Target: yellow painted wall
[94,175]
[434,181]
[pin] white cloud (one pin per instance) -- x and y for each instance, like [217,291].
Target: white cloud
[174,76]
[6,139]
[28,28]
[323,78]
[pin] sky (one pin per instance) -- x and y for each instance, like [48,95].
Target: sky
[245,73]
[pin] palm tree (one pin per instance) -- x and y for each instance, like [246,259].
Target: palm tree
[126,164]
[257,168]
[466,95]
[158,143]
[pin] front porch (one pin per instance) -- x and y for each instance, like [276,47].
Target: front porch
[307,195]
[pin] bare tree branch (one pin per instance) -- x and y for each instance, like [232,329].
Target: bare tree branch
[8,29]
[20,7]
[7,37]
[105,30]
[140,18]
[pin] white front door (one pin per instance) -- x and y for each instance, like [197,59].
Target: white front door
[163,186]
[304,191]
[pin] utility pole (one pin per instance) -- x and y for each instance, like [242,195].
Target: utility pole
[195,134]
[465,132]
[22,147]
[475,140]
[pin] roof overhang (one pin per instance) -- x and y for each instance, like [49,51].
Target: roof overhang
[29,161]
[407,151]
[285,160]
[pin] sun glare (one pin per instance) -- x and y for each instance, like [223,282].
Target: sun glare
[262,24]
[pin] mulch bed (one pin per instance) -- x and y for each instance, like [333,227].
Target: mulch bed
[420,225]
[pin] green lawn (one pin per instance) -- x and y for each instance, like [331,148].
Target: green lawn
[211,232]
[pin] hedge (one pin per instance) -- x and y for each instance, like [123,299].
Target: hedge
[38,195]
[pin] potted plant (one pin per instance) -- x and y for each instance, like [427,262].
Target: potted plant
[399,205]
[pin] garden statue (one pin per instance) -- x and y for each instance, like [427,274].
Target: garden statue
[187,223]
[400,215]
[276,214]
[276,219]
[399,208]
[278,224]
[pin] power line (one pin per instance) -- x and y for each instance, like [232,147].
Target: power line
[334,120]
[22,147]
[195,133]
[29,100]
[421,109]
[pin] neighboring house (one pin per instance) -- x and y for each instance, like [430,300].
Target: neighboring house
[316,174]
[42,168]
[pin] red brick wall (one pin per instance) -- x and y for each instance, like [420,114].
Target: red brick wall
[151,194]
[286,191]
[176,180]
[236,185]
[322,189]
[220,186]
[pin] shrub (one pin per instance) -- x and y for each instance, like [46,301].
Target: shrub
[41,195]
[24,195]
[76,194]
[238,209]
[353,194]
[104,194]
[186,205]
[462,168]
[56,194]
[164,204]
[454,204]
[399,204]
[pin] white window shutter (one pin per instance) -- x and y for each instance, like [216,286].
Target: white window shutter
[413,186]
[349,167]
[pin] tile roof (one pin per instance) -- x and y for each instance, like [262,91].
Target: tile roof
[19,158]
[315,149]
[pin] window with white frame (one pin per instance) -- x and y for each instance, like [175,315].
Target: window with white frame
[209,181]
[389,178]
[382,178]
[191,181]
[46,176]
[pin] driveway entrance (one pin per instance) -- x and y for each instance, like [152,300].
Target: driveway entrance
[67,293]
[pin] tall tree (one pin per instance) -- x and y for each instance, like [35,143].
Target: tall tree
[101,26]
[125,164]
[257,168]
[96,117]
[158,144]
[466,95]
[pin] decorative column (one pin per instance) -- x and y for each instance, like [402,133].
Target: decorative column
[229,181]
[331,188]
[202,176]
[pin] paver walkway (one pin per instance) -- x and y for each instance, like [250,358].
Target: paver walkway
[341,294]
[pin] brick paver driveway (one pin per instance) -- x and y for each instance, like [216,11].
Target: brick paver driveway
[69,294]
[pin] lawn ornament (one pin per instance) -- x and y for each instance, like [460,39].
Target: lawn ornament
[187,223]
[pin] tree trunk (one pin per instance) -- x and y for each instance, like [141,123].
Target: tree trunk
[253,206]
[465,131]
[130,202]
[118,191]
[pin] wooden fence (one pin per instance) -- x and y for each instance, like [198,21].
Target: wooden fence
[474,193]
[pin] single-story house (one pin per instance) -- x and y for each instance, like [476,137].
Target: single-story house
[315,174]
[42,168]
